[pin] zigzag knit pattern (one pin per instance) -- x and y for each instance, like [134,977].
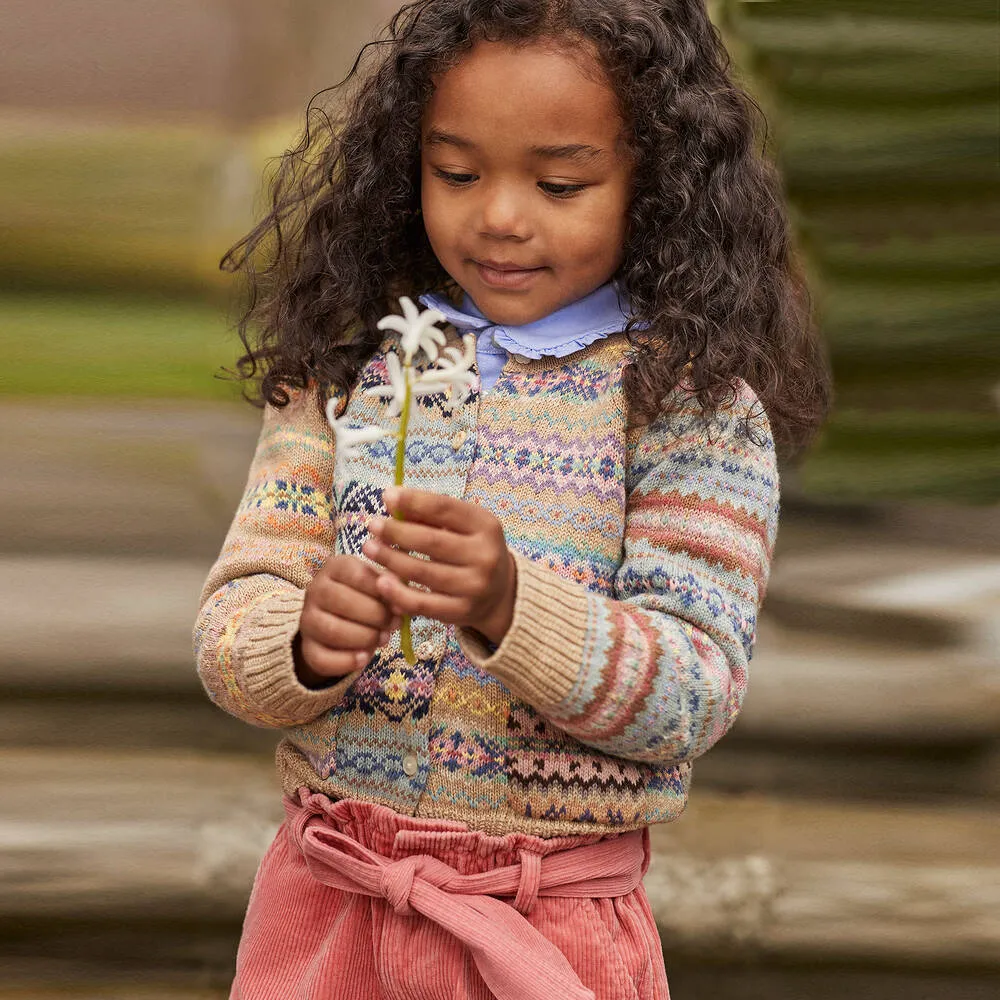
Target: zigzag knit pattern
[643,554]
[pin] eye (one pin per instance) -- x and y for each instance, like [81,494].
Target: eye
[455,180]
[560,190]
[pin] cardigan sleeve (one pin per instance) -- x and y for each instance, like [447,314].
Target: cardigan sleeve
[251,603]
[657,671]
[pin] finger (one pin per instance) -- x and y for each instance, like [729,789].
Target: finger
[335,632]
[434,509]
[409,601]
[331,662]
[438,577]
[343,601]
[354,573]
[441,546]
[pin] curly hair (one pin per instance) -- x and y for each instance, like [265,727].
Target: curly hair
[707,264]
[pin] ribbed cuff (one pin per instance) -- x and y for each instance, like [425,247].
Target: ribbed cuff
[541,655]
[267,668]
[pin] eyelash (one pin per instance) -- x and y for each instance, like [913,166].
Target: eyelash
[559,191]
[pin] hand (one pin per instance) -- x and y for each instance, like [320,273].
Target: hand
[344,620]
[470,573]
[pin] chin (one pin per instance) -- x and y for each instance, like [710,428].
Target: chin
[511,312]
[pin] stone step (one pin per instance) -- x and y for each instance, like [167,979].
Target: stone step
[159,846]
[126,478]
[824,716]
[916,596]
[813,687]
[122,641]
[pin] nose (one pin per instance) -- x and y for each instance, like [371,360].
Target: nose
[503,213]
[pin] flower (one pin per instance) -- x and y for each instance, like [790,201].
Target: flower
[453,371]
[416,329]
[349,438]
[460,361]
[396,387]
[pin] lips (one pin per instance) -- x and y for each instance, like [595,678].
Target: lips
[506,274]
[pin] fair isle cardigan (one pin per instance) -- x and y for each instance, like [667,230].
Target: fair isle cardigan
[642,556]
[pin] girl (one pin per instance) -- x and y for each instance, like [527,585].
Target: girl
[576,183]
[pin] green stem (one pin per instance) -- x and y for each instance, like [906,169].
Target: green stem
[405,635]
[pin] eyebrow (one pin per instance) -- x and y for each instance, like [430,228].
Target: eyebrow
[578,151]
[438,137]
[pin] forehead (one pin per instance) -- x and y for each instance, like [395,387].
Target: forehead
[540,93]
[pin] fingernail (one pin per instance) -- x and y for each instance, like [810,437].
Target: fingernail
[362,660]
[383,639]
[371,547]
[390,495]
[376,524]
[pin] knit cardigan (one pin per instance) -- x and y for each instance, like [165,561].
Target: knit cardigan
[642,556]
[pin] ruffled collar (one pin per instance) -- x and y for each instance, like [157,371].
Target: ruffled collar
[567,330]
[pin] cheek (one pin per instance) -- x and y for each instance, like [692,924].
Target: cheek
[438,221]
[597,236]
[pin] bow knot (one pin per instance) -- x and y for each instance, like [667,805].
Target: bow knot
[396,884]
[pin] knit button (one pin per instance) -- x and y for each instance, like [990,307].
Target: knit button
[425,650]
[458,440]
[410,765]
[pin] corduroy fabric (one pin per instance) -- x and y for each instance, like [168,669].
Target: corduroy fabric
[426,922]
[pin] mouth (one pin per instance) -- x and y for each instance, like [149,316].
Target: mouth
[506,274]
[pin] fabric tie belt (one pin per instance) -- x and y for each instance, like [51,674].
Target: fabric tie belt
[515,961]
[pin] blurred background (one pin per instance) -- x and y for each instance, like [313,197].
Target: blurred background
[842,842]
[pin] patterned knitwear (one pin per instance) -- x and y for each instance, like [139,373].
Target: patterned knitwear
[642,553]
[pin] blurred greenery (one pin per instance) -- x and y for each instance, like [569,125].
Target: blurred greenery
[121,347]
[883,115]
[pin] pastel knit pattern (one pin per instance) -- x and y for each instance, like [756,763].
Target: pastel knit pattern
[643,554]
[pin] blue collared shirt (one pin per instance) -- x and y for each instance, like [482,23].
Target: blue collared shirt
[567,330]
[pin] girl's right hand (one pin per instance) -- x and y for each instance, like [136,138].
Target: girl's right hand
[343,622]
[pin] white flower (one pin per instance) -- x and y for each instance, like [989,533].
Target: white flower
[416,329]
[396,387]
[349,438]
[454,370]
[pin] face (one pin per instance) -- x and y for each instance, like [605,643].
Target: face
[525,178]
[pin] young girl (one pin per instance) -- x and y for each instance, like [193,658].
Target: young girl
[584,540]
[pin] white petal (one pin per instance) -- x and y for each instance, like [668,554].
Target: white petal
[410,309]
[366,435]
[429,388]
[395,369]
[397,323]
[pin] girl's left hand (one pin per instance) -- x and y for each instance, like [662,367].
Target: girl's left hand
[469,571]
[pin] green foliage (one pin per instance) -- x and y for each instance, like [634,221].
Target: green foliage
[886,133]
[114,347]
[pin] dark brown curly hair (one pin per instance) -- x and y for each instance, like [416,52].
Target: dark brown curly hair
[707,264]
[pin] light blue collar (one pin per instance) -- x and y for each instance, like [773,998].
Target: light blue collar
[567,330]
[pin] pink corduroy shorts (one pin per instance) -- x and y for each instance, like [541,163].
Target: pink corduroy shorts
[354,902]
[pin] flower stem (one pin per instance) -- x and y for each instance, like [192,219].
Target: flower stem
[405,636]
